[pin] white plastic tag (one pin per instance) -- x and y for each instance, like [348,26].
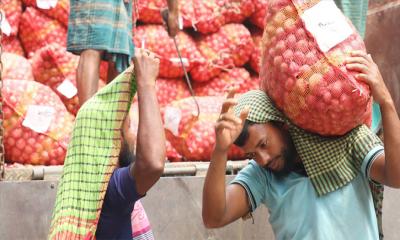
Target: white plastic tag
[38,118]
[143,43]
[5,25]
[46,4]
[327,24]
[177,61]
[172,118]
[180,22]
[67,89]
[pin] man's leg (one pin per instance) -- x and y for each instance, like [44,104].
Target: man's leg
[112,72]
[87,74]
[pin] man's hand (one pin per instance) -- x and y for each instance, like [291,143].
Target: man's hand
[173,25]
[228,126]
[369,74]
[146,66]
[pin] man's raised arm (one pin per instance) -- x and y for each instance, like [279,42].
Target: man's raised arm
[386,168]
[150,148]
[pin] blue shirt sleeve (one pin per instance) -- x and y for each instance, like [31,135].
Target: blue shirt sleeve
[121,192]
[369,160]
[254,180]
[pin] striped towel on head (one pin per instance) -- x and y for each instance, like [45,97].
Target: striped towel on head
[91,159]
[330,162]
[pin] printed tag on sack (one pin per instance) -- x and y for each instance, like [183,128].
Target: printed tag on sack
[327,24]
[172,118]
[38,118]
[5,25]
[177,61]
[67,89]
[46,4]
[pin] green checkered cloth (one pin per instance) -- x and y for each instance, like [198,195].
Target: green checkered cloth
[102,25]
[91,159]
[330,162]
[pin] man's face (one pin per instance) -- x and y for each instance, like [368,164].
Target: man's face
[271,147]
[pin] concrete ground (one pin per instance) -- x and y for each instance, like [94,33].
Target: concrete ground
[173,207]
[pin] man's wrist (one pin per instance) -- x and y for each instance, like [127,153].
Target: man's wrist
[387,103]
[146,85]
[173,14]
[220,153]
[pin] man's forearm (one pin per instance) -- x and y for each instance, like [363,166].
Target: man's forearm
[151,137]
[150,153]
[173,7]
[391,127]
[214,191]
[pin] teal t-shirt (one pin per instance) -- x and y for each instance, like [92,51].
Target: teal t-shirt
[296,212]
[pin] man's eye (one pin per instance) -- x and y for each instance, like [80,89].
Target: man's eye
[263,145]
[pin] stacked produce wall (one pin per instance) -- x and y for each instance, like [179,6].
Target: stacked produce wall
[221,46]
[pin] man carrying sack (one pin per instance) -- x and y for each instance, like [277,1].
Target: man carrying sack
[102,177]
[314,187]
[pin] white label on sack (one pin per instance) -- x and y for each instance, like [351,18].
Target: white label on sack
[327,24]
[46,4]
[38,118]
[172,118]
[143,43]
[180,22]
[67,89]
[5,25]
[177,61]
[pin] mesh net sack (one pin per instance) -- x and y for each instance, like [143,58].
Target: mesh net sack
[193,137]
[260,13]
[149,10]
[60,12]
[16,67]
[255,58]
[169,90]
[229,47]
[37,30]
[12,45]
[156,39]
[13,11]
[37,126]
[236,11]
[219,85]
[171,153]
[304,47]
[205,16]
[55,67]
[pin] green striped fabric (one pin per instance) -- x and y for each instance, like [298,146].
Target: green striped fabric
[330,162]
[356,11]
[102,25]
[91,158]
